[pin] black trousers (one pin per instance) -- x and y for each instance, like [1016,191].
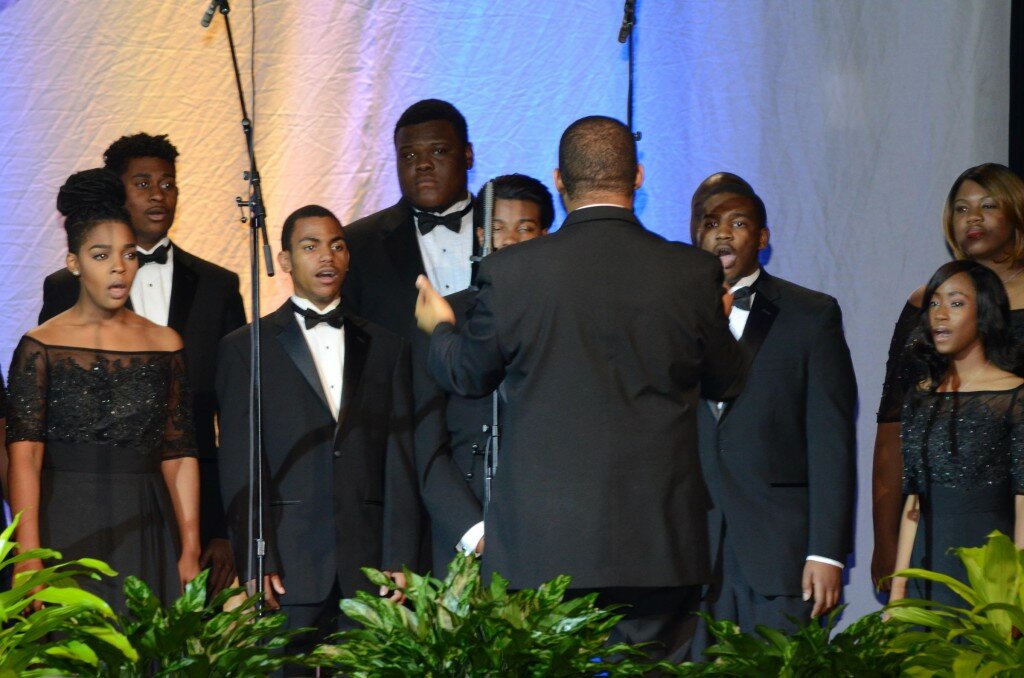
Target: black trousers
[324,617]
[661,616]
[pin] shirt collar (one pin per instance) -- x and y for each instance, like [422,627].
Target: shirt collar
[746,281]
[460,205]
[307,305]
[164,241]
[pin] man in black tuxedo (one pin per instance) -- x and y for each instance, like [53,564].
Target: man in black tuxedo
[779,460]
[340,476]
[603,336]
[429,232]
[196,298]
[523,210]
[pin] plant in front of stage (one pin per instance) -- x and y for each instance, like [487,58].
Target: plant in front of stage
[981,638]
[860,651]
[194,637]
[460,627]
[85,623]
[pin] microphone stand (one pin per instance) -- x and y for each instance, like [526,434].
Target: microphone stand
[491,447]
[626,36]
[257,230]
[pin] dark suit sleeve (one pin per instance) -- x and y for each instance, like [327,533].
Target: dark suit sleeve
[725,360]
[402,508]
[470,362]
[57,297]
[448,497]
[234,309]
[831,444]
[233,456]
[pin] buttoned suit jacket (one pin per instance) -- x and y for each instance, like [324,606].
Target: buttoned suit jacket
[339,495]
[205,305]
[603,336]
[780,459]
[381,286]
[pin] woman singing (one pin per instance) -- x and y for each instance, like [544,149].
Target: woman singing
[962,428]
[99,430]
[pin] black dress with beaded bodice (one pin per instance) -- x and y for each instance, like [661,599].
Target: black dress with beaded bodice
[963,455]
[107,419]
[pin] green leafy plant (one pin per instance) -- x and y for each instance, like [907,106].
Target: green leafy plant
[460,627]
[860,651]
[29,644]
[196,637]
[982,638]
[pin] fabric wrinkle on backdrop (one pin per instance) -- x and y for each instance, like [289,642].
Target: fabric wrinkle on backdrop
[851,119]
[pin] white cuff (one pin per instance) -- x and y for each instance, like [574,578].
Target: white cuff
[472,537]
[820,559]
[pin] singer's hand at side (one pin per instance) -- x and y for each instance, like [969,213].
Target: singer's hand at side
[823,583]
[272,588]
[431,308]
[396,594]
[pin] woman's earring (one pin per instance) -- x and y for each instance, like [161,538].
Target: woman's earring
[75,273]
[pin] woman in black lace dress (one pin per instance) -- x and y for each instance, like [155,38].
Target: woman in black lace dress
[102,459]
[983,221]
[962,428]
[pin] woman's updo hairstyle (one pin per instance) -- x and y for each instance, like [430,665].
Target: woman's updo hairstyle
[88,198]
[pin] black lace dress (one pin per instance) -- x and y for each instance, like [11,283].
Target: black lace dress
[108,419]
[963,455]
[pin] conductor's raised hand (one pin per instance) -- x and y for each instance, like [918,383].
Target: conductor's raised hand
[431,308]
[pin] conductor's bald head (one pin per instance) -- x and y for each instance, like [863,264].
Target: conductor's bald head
[597,163]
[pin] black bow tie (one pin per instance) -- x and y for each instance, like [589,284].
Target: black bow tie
[741,298]
[158,256]
[427,221]
[333,317]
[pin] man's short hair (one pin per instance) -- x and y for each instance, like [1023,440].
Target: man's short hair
[597,154]
[141,145]
[302,213]
[429,110]
[760,213]
[522,187]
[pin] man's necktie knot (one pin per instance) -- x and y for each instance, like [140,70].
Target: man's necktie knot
[428,221]
[158,256]
[334,317]
[741,298]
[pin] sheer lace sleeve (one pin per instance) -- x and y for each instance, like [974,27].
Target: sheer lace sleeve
[3,396]
[179,431]
[1017,443]
[28,384]
[900,373]
[911,442]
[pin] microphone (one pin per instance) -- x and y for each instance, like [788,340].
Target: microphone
[487,205]
[628,19]
[211,10]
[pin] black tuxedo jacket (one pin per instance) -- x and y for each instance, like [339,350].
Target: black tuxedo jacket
[339,495]
[780,459]
[205,306]
[450,449]
[381,286]
[605,336]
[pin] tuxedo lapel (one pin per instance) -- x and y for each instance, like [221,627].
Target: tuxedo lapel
[357,346]
[294,344]
[762,314]
[184,283]
[399,241]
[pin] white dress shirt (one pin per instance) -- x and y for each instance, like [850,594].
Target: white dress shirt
[737,323]
[446,254]
[327,345]
[151,290]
